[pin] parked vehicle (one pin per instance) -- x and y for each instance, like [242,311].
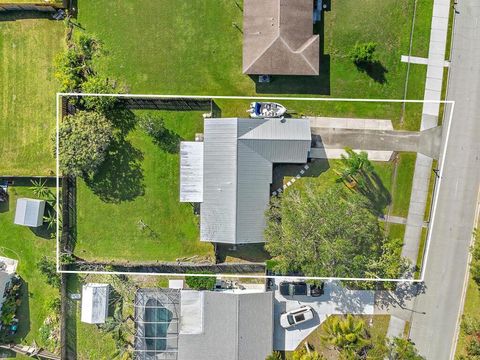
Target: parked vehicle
[266,110]
[297,316]
[291,288]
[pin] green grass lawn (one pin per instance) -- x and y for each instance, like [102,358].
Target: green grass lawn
[193,48]
[147,178]
[89,341]
[470,310]
[27,93]
[20,242]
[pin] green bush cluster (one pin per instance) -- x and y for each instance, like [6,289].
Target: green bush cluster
[201,282]
[363,53]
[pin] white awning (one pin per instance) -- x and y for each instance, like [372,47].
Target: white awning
[191,312]
[191,171]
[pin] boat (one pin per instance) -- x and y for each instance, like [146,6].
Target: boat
[266,110]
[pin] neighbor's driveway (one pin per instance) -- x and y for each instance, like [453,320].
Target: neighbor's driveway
[335,300]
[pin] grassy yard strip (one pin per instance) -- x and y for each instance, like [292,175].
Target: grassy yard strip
[470,310]
[403,184]
[90,341]
[21,243]
[421,249]
[195,48]
[150,223]
[27,93]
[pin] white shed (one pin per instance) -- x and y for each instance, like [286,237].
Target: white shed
[94,303]
[29,212]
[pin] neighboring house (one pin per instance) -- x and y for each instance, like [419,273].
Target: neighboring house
[222,325]
[278,38]
[95,303]
[231,171]
[8,267]
[179,324]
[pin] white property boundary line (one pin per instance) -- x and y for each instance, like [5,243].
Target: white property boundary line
[284,98]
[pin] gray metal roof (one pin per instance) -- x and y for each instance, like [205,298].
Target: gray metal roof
[29,212]
[238,159]
[278,38]
[191,171]
[235,327]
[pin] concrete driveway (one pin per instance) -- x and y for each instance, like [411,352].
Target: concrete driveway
[335,300]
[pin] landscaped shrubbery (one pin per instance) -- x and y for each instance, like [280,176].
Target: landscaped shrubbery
[83,142]
[201,282]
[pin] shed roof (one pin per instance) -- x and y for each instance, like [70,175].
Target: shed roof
[29,212]
[94,303]
[278,38]
[234,326]
[238,160]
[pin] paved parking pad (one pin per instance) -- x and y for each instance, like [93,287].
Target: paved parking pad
[336,300]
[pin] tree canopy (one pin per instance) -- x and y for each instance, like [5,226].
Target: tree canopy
[329,233]
[84,139]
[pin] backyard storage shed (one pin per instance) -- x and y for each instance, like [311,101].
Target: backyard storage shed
[94,303]
[238,158]
[278,38]
[29,212]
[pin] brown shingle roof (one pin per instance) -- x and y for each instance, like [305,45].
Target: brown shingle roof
[278,38]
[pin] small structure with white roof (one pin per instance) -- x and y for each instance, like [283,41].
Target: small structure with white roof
[95,303]
[29,212]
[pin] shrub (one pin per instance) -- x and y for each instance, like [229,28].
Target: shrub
[470,325]
[473,347]
[48,268]
[84,140]
[475,264]
[363,53]
[163,137]
[274,356]
[201,282]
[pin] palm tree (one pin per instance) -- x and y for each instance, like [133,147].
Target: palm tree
[274,356]
[354,164]
[40,188]
[344,333]
[304,355]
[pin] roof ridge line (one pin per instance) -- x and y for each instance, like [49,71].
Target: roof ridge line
[310,41]
[263,52]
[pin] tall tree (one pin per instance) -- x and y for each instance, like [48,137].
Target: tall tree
[330,233]
[83,142]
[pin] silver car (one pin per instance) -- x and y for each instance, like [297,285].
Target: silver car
[297,316]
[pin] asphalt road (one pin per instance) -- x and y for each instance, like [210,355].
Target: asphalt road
[434,331]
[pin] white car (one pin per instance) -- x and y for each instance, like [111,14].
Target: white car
[297,316]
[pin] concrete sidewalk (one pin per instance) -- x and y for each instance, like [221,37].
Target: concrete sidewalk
[423,164]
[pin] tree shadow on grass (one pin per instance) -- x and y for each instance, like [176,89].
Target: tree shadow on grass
[245,252]
[169,141]
[375,70]
[120,177]
[371,186]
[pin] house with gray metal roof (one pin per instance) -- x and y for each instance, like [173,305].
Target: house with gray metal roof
[278,38]
[236,173]
[225,325]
